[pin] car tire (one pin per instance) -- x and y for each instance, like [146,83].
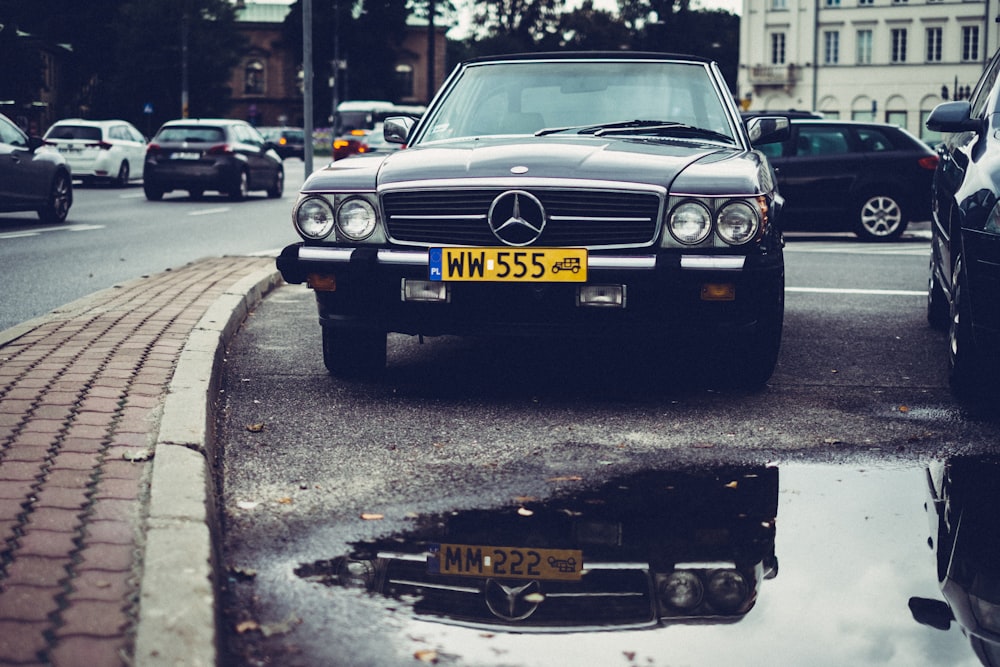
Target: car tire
[278,187]
[879,216]
[239,193]
[967,374]
[353,352]
[153,193]
[937,301]
[60,198]
[123,175]
[754,368]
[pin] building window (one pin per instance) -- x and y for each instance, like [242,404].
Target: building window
[934,45]
[778,48]
[253,78]
[863,3]
[404,80]
[897,118]
[864,47]
[899,2]
[779,4]
[898,45]
[970,43]
[831,47]
[832,3]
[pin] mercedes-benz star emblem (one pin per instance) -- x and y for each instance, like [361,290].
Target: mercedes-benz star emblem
[517,218]
[512,603]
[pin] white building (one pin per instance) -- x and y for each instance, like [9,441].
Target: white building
[887,60]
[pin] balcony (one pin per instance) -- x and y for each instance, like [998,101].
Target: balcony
[783,76]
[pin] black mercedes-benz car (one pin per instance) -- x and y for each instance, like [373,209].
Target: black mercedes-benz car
[963,294]
[579,194]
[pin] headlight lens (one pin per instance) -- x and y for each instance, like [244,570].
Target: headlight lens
[314,218]
[727,590]
[356,219]
[682,590]
[690,223]
[737,223]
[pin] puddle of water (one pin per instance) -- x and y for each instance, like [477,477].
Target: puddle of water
[852,545]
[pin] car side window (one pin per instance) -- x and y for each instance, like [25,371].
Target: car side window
[9,134]
[814,141]
[981,95]
[874,140]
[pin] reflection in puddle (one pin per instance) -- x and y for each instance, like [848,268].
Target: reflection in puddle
[642,550]
[684,567]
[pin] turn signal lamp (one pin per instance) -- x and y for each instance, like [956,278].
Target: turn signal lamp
[718,292]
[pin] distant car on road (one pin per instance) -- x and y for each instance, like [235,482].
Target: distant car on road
[100,150]
[964,282]
[288,141]
[227,156]
[869,178]
[32,178]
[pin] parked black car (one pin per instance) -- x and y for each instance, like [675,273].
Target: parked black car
[963,293]
[869,178]
[32,178]
[196,155]
[526,163]
[288,141]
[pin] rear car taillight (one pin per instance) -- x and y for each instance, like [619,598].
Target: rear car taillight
[103,145]
[220,149]
[929,162]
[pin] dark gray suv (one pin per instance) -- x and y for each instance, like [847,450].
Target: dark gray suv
[227,156]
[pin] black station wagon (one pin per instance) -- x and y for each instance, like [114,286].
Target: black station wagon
[634,167]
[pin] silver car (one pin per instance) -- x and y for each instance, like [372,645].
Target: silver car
[32,178]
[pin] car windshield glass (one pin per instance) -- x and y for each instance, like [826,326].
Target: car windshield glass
[191,134]
[75,132]
[528,97]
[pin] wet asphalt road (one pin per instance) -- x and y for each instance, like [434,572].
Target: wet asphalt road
[313,468]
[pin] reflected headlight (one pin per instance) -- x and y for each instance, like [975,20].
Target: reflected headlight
[690,223]
[737,223]
[356,219]
[356,573]
[727,590]
[682,590]
[313,218]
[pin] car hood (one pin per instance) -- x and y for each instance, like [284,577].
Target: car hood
[691,167]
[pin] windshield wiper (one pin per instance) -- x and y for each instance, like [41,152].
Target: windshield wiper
[638,127]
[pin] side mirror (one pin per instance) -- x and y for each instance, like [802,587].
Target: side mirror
[953,117]
[768,130]
[396,129]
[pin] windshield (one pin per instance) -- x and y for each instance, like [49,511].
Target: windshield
[539,97]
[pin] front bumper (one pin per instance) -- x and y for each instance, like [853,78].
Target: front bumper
[362,287]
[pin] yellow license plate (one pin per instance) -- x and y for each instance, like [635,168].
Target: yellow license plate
[468,560]
[551,265]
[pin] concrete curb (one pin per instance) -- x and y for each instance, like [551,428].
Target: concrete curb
[178,612]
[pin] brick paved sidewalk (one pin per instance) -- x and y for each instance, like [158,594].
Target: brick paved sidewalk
[80,398]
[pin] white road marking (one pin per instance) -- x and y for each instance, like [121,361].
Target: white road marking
[839,290]
[210,211]
[40,230]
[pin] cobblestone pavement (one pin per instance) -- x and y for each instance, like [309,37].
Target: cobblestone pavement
[81,391]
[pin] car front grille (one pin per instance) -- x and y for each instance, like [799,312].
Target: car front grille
[575,217]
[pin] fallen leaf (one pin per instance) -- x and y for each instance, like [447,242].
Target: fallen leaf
[255,428]
[524,511]
[281,628]
[524,499]
[285,501]
[138,456]
[372,516]
[566,478]
[427,655]
[904,408]
[247,626]
[733,485]
[831,441]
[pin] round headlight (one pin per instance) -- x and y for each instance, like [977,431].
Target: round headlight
[727,590]
[737,223]
[356,219]
[682,590]
[314,218]
[690,223]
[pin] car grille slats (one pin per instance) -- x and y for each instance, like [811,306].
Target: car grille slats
[574,217]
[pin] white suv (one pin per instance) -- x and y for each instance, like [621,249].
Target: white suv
[106,150]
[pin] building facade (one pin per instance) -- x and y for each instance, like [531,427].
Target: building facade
[885,60]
